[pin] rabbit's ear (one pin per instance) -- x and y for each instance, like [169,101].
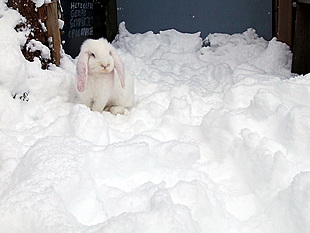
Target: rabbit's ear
[118,65]
[82,70]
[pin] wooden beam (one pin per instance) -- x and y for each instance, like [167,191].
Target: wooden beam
[301,49]
[53,31]
[111,19]
[285,21]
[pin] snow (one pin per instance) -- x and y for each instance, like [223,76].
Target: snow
[217,140]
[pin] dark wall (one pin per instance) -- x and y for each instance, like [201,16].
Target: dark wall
[206,16]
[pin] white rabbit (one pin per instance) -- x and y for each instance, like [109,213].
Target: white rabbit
[102,81]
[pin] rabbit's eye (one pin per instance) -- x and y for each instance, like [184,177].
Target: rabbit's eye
[93,55]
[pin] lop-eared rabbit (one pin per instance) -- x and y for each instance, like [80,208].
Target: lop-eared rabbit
[102,81]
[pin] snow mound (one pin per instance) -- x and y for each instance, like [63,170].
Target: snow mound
[217,140]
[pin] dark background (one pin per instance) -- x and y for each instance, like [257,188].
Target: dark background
[206,16]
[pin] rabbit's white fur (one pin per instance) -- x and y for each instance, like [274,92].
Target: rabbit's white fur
[102,81]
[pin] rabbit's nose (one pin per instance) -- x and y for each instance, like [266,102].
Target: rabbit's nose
[104,65]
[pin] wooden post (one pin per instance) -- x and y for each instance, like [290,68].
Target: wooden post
[111,13]
[285,21]
[301,50]
[53,31]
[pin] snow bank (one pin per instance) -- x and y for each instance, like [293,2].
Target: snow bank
[217,140]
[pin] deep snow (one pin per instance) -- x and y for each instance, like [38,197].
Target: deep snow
[217,141]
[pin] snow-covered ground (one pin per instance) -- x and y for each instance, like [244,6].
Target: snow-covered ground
[218,140]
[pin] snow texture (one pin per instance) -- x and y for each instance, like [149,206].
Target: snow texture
[217,140]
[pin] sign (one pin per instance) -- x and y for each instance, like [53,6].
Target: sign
[82,19]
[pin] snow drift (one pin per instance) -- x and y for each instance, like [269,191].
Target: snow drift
[217,141]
